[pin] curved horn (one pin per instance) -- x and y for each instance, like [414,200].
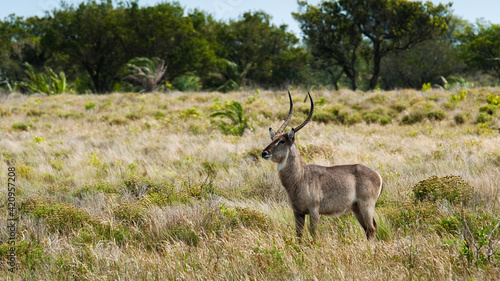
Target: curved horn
[296,129]
[283,126]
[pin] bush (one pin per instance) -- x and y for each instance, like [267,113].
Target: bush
[460,96]
[438,114]
[399,106]
[348,117]
[483,117]
[384,120]
[371,117]
[451,188]
[131,214]
[49,83]
[224,218]
[187,82]
[412,118]
[460,118]
[19,126]
[90,106]
[62,218]
[494,100]
[489,108]
[234,112]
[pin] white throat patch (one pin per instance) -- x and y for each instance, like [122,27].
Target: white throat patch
[282,165]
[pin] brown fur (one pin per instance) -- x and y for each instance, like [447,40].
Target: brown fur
[313,190]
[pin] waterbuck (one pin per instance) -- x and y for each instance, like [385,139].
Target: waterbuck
[316,190]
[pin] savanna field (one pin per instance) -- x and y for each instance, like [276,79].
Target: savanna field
[166,186]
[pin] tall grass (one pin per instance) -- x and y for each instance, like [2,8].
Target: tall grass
[140,187]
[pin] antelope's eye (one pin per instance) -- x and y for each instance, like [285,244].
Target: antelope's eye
[279,142]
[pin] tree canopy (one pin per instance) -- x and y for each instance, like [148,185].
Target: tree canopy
[346,43]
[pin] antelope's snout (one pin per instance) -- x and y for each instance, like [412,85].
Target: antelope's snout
[266,155]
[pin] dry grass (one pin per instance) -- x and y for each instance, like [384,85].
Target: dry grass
[143,187]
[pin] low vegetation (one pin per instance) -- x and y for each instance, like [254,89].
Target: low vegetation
[172,186]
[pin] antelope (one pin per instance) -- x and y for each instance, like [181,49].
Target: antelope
[318,190]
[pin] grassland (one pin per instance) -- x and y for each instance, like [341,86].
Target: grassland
[145,187]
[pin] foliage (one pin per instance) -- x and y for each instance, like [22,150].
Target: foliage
[187,82]
[480,48]
[336,52]
[451,188]
[426,62]
[389,26]
[234,112]
[49,83]
[256,51]
[460,96]
[426,87]
[20,126]
[148,72]
[494,100]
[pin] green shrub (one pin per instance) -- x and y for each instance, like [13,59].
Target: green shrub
[483,117]
[494,100]
[222,219]
[377,98]
[412,118]
[133,116]
[158,115]
[35,112]
[371,117]
[90,106]
[131,214]
[348,116]
[489,108]
[323,116]
[252,219]
[49,83]
[384,120]
[183,233]
[190,112]
[187,82]
[232,111]
[438,114]
[408,215]
[451,188]
[426,87]
[460,96]
[63,218]
[399,106]
[460,118]
[20,126]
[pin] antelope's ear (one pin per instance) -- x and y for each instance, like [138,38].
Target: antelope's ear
[291,135]
[272,133]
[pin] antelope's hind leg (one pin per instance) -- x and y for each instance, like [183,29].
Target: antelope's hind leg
[364,213]
[299,223]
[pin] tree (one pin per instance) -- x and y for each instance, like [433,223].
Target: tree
[426,62]
[20,43]
[392,25]
[261,52]
[332,38]
[480,48]
[87,36]
[148,72]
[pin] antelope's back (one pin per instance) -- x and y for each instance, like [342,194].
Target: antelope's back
[356,179]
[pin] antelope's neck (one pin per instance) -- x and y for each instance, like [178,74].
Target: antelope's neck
[291,170]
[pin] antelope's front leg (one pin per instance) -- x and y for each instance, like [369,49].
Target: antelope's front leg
[314,219]
[299,223]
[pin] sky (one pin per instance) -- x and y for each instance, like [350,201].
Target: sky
[231,9]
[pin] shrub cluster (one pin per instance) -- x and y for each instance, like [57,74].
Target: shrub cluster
[451,188]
